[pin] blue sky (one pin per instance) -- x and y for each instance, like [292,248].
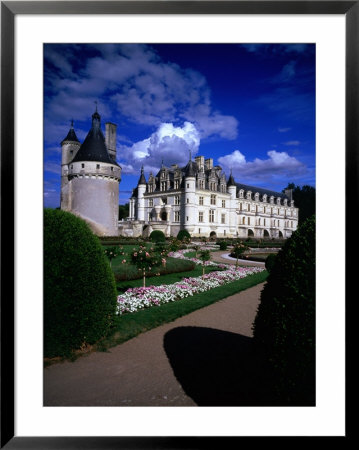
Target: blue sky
[250,107]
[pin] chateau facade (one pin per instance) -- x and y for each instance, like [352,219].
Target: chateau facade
[199,198]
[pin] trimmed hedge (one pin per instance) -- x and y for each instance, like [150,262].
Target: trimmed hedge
[284,329]
[79,287]
[157,236]
[183,234]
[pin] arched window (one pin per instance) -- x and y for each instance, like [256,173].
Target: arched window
[243,220]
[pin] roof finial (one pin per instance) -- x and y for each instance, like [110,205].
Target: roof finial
[96,104]
[190,154]
[162,163]
[72,123]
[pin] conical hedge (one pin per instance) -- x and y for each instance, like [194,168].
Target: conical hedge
[79,286]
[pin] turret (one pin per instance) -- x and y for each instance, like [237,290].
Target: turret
[190,209]
[231,186]
[232,191]
[141,189]
[69,148]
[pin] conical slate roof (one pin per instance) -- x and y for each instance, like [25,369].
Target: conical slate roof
[231,181]
[191,169]
[94,146]
[142,179]
[71,135]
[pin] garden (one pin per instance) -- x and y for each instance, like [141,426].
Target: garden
[132,287]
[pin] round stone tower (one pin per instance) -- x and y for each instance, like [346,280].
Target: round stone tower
[93,182]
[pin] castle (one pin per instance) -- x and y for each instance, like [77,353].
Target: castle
[197,197]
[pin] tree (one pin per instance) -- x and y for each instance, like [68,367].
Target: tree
[238,250]
[284,328]
[204,255]
[146,258]
[123,211]
[304,199]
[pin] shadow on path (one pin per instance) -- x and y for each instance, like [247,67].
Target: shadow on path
[218,368]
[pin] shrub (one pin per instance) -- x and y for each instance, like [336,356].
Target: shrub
[79,286]
[223,245]
[182,235]
[284,329]
[270,260]
[157,236]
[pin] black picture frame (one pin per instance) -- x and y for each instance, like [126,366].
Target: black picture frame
[9,9]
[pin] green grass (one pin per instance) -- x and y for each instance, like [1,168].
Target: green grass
[133,324]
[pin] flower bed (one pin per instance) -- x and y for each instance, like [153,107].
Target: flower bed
[144,297]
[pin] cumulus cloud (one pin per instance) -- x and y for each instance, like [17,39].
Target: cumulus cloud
[129,81]
[277,165]
[168,143]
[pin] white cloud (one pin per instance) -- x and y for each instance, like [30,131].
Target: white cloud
[278,165]
[290,143]
[234,160]
[168,143]
[283,129]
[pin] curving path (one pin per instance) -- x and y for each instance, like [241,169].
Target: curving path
[198,348]
[221,257]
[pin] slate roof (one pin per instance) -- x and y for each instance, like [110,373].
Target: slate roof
[260,191]
[94,147]
[71,135]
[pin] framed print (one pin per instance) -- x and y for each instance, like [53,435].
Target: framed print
[328,30]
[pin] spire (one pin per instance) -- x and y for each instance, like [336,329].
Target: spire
[142,179]
[71,135]
[231,181]
[190,169]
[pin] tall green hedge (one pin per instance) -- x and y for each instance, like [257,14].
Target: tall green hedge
[79,286]
[284,328]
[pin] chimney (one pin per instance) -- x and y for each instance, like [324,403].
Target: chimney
[209,163]
[111,139]
[199,161]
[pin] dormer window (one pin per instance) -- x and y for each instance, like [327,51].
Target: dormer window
[272,199]
[241,193]
[278,201]
[265,197]
[256,196]
[249,195]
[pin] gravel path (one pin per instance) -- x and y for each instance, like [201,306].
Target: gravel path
[165,366]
